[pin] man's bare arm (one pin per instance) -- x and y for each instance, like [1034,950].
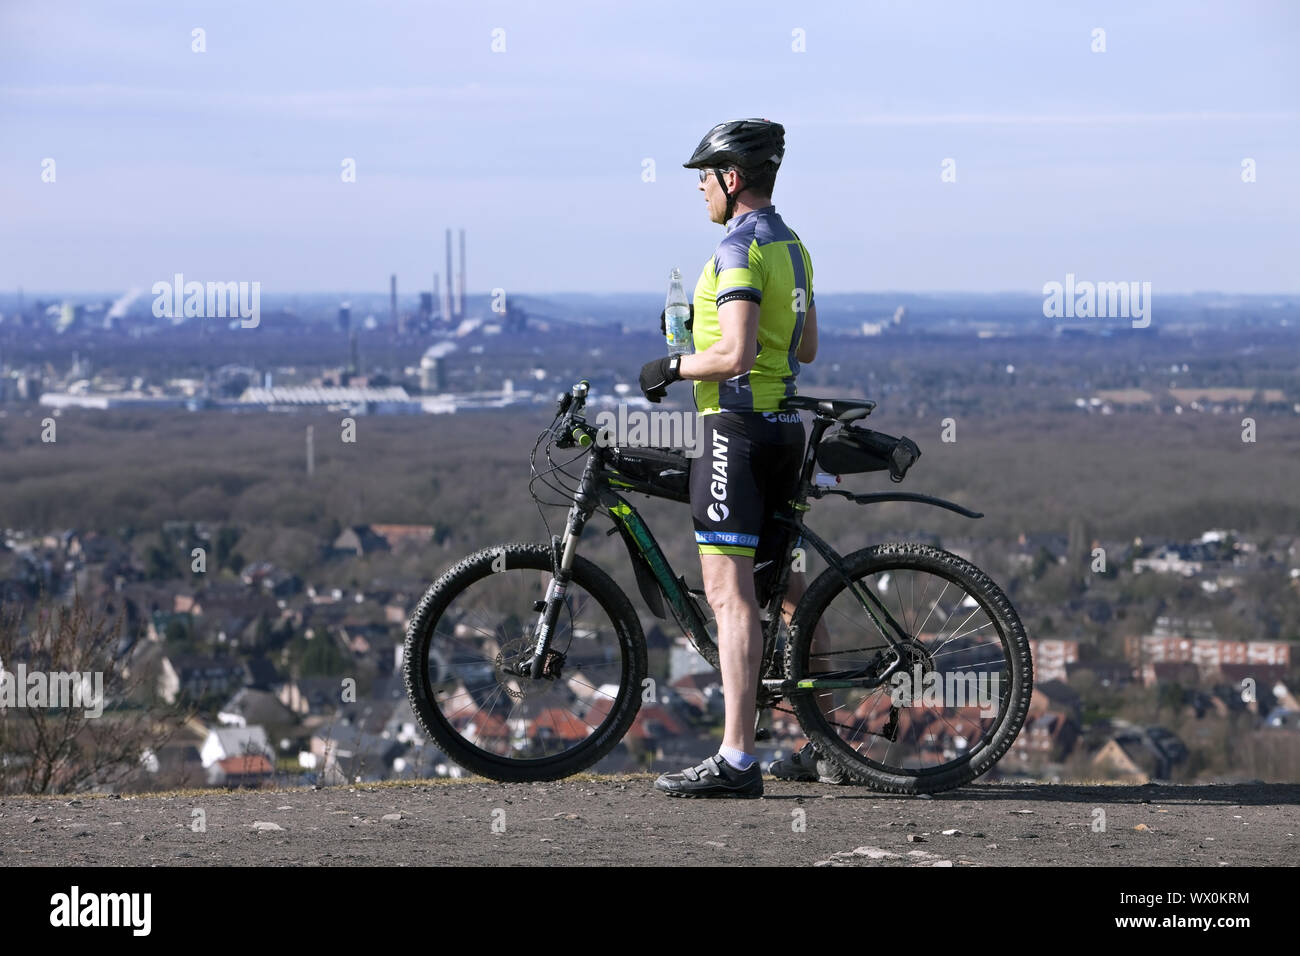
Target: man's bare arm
[734,353]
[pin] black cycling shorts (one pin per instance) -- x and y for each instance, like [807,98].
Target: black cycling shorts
[748,472]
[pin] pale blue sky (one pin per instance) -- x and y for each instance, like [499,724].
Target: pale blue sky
[225,165]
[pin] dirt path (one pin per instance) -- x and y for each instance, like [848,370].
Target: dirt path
[621,820]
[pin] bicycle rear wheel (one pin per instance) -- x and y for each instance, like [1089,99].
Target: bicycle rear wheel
[966,673]
[479,617]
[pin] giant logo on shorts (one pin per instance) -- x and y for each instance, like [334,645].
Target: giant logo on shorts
[718,487]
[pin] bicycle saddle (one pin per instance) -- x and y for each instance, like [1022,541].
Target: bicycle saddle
[840,409]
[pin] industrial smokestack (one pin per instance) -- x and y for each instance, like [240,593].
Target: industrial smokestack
[392,297]
[461,307]
[450,282]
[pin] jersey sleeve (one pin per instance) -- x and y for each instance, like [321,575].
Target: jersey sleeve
[740,269]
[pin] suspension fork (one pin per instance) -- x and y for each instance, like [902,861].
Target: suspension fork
[563,551]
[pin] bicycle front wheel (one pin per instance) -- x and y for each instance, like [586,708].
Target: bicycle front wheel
[953,704]
[477,619]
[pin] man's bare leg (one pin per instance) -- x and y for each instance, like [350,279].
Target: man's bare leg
[729,588]
[794,591]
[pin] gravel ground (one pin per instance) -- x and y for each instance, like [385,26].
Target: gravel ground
[621,820]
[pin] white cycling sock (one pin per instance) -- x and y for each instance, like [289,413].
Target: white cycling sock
[737,758]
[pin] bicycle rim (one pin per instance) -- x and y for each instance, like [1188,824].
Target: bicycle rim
[948,710]
[488,718]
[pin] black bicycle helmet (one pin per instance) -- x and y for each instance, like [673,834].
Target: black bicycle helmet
[748,144]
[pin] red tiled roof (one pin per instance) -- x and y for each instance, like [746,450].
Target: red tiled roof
[246,764]
[562,723]
[654,720]
[487,726]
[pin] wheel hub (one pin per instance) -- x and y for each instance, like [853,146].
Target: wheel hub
[514,666]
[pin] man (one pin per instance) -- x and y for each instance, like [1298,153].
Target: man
[753,322]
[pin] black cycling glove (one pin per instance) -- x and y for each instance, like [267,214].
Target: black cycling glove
[663,320]
[658,374]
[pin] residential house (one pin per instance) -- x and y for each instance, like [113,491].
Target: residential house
[359,541]
[1053,546]
[655,723]
[361,637]
[197,676]
[250,707]
[223,742]
[352,750]
[701,691]
[270,580]
[1052,657]
[1054,695]
[1140,754]
[307,696]
[684,659]
[1048,737]
[404,536]
[250,771]
[1208,654]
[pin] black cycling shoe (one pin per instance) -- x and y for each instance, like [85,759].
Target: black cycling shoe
[713,778]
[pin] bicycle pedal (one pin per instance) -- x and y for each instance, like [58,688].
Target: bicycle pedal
[762,734]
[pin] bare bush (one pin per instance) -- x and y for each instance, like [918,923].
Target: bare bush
[48,746]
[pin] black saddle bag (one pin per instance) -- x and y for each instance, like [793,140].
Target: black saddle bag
[853,451]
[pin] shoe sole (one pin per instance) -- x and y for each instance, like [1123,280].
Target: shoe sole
[735,794]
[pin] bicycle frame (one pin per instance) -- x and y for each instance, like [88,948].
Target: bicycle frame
[657,580]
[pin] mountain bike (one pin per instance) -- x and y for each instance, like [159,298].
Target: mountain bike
[526,662]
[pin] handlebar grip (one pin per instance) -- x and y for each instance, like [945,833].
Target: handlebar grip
[581,437]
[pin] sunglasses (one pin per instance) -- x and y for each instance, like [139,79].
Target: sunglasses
[704,173]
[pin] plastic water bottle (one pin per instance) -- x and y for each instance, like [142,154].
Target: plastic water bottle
[676,312]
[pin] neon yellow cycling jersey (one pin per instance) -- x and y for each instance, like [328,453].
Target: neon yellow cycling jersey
[762,260]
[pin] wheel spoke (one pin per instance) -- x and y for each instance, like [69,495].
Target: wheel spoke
[937,727]
[497,722]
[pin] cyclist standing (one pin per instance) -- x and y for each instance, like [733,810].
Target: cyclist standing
[753,323]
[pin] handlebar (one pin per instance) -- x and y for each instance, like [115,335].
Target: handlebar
[569,427]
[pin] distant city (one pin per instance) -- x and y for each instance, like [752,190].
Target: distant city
[55,350]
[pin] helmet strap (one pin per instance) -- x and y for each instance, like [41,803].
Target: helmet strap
[731,197]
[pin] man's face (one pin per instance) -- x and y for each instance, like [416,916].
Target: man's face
[715,198]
